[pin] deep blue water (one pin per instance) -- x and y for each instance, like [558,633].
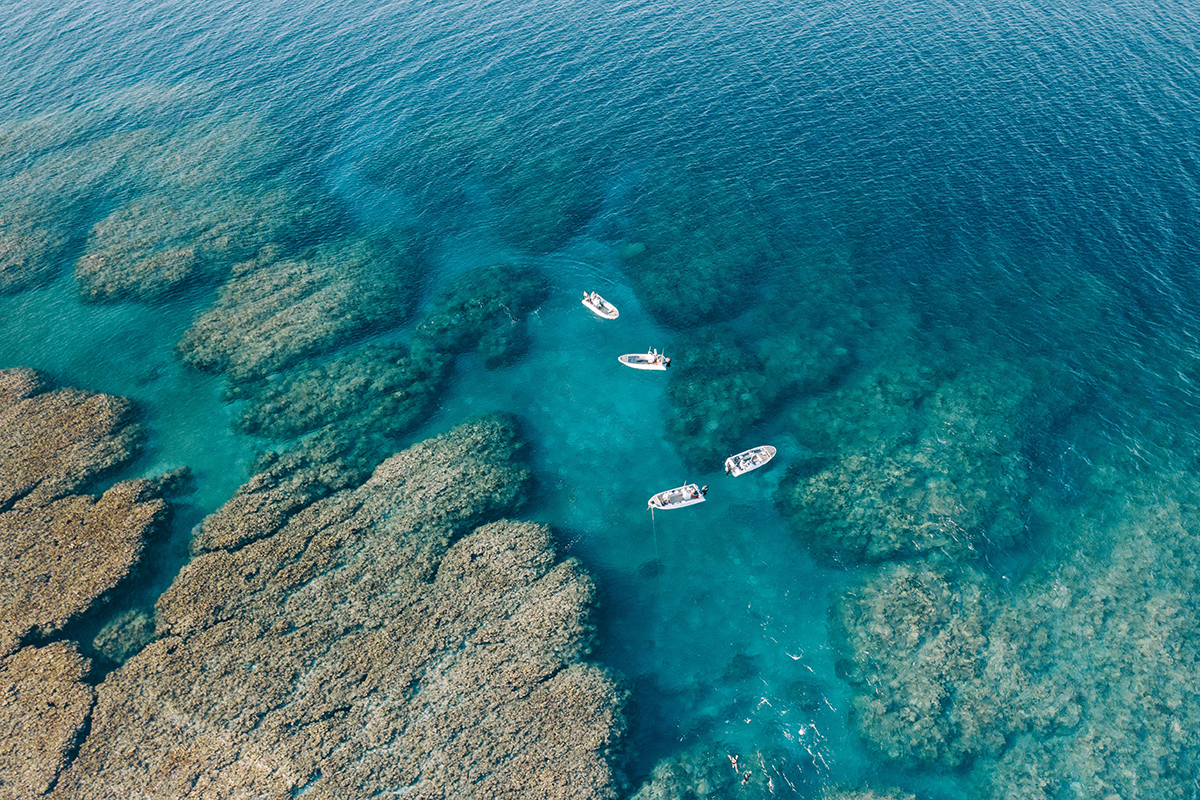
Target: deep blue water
[994,178]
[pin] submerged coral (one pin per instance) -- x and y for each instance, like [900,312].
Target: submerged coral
[125,635]
[922,464]
[482,310]
[922,628]
[866,794]
[274,311]
[162,241]
[719,391]
[1078,682]
[358,647]
[693,245]
[375,390]
[176,191]
[32,238]
[708,771]
[537,193]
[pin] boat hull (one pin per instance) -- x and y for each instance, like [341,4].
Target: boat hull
[602,309]
[645,361]
[749,460]
[687,495]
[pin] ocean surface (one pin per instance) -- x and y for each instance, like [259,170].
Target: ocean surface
[909,189]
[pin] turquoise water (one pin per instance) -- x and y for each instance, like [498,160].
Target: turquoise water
[904,187]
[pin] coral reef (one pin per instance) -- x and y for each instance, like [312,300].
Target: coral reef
[274,311]
[384,638]
[908,462]
[125,635]
[536,193]
[866,794]
[719,391]
[294,479]
[57,559]
[482,310]
[54,442]
[60,551]
[31,239]
[707,771]
[916,639]
[175,192]
[165,240]
[44,705]
[1077,682]
[371,389]
[58,193]
[693,244]
[804,333]
[353,407]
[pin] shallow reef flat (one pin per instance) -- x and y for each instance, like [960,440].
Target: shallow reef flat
[44,706]
[1077,681]
[536,193]
[386,637]
[275,310]
[353,407]
[61,551]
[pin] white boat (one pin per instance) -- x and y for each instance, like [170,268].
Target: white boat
[599,306]
[687,495]
[749,460]
[651,359]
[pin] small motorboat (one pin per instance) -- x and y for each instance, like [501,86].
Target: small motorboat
[749,460]
[599,306]
[651,359]
[687,495]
